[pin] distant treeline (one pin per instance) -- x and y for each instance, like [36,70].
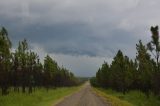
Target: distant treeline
[22,69]
[83,79]
[142,73]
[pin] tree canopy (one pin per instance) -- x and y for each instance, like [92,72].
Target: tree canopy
[125,74]
[23,68]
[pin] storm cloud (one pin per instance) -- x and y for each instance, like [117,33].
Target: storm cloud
[85,32]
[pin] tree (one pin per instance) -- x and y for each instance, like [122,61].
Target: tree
[144,67]
[103,75]
[154,47]
[5,63]
[15,71]
[32,59]
[23,53]
[49,70]
[119,73]
[22,68]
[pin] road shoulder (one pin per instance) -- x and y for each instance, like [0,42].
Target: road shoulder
[111,100]
[65,97]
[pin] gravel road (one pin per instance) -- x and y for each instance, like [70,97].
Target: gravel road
[85,97]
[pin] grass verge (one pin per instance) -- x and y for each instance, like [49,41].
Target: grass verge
[38,98]
[113,100]
[132,98]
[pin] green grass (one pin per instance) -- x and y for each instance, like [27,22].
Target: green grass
[134,98]
[39,98]
[113,100]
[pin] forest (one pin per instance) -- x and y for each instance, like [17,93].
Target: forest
[125,74]
[22,70]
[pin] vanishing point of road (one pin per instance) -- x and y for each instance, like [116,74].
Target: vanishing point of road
[84,97]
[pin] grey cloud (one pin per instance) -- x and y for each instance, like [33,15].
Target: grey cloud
[75,39]
[94,28]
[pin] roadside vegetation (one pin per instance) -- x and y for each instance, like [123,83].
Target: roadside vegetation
[135,80]
[82,80]
[111,99]
[131,98]
[22,70]
[40,97]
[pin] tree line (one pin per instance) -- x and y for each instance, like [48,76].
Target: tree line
[141,73]
[22,69]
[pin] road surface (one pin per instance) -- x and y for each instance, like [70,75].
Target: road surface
[84,97]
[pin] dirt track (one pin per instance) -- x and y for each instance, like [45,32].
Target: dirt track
[85,97]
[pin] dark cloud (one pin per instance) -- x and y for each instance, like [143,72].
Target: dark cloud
[70,39]
[92,28]
[73,39]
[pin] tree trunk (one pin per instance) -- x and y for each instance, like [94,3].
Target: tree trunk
[4,90]
[30,89]
[23,89]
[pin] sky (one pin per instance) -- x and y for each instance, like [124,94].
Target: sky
[80,34]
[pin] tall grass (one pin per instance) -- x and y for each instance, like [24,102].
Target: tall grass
[112,100]
[136,98]
[38,98]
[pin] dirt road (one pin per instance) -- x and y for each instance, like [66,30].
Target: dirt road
[85,97]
